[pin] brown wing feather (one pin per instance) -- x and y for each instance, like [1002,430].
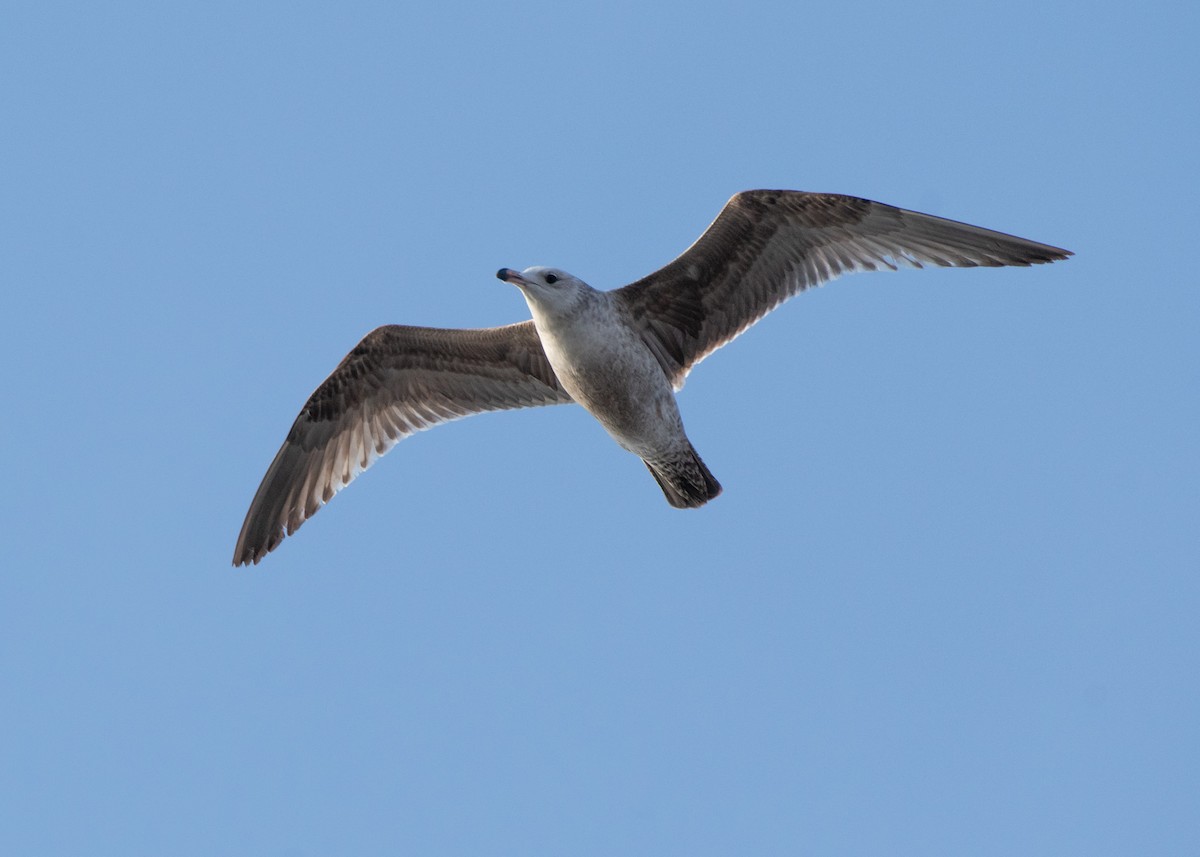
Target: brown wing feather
[397,381]
[767,245]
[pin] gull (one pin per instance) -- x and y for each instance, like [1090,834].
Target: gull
[621,354]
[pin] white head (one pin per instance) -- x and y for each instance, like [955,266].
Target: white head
[548,289]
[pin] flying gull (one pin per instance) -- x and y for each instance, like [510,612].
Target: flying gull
[621,354]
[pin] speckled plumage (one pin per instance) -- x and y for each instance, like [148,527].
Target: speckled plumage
[620,354]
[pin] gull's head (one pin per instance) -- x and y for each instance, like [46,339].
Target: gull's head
[550,288]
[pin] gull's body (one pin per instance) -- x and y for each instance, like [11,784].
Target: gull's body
[592,342]
[621,354]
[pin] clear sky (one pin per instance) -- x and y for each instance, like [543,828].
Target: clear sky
[947,603]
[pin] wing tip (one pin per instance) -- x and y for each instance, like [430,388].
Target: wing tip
[252,551]
[1043,254]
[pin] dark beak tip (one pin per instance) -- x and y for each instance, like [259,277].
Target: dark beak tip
[503,274]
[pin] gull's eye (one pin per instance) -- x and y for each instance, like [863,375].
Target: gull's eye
[552,278]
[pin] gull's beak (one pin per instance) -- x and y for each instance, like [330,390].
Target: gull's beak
[511,276]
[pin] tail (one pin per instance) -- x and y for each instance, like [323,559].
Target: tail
[684,479]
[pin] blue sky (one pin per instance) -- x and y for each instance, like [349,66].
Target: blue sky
[946,604]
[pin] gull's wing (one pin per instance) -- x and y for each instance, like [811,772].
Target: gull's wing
[397,381]
[768,245]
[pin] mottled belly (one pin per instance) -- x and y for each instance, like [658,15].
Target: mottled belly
[635,407]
